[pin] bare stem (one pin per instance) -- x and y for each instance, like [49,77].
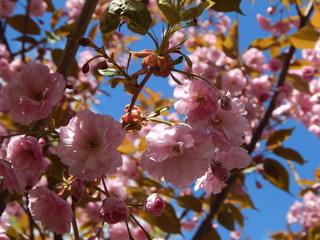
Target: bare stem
[74,221]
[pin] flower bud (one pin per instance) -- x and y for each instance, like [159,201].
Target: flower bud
[78,189]
[226,103]
[154,205]
[102,65]
[220,171]
[134,120]
[114,210]
[85,68]
[84,42]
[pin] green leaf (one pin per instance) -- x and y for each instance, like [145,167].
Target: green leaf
[298,83]
[190,202]
[17,23]
[167,222]
[186,58]
[289,154]
[195,12]
[227,6]
[305,38]
[276,174]
[137,12]
[243,200]
[109,72]
[226,219]
[169,12]
[278,137]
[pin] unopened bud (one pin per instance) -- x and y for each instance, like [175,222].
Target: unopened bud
[219,171]
[102,65]
[259,185]
[78,189]
[84,42]
[154,205]
[85,68]
[226,103]
[134,120]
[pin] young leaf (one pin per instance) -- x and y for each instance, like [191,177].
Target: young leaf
[289,154]
[226,219]
[227,6]
[298,83]
[278,137]
[190,202]
[16,22]
[137,13]
[276,174]
[305,38]
[169,12]
[109,72]
[195,12]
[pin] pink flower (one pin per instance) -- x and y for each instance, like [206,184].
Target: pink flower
[233,81]
[307,73]
[307,213]
[52,211]
[223,22]
[264,22]
[274,65]
[317,49]
[235,235]
[189,225]
[25,155]
[114,210]
[88,145]
[78,189]
[280,28]
[177,154]
[154,205]
[236,157]
[4,53]
[29,100]
[261,88]
[227,128]
[6,7]
[37,8]
[74,8]
[11,182]
[118,231]
[254,59]
[271,10]
[198,100]
[210,183]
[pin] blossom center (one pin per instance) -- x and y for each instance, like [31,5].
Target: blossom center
[92,144]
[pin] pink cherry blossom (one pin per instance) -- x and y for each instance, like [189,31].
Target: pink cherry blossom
[317,48]
[88,145]
[25,155]
[236,157]
[6,7]
[177,154]
[154,205]
[189,225]
[114,210]
[235,235]
[78,189]
[271,10]
[261,88]
[4,53]
[209,183]
[37,8]
[264,23]
[227,128]
[74,8]
[118,231]
[11,181]
[138,233]
[274,64]
[254,59]
[29,100]
[197,99]
[233,81]
[52,211]
[280,27]
[307,73]
[307,213]
[223,22]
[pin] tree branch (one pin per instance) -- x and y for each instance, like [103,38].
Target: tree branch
[218,200]
[77,33]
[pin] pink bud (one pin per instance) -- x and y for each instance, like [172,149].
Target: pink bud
[154,205]
[78,189]
[114,210]
[85,68]
[220,171]
[271,10]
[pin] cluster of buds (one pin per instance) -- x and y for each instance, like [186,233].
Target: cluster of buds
[161,65]
[133,120]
